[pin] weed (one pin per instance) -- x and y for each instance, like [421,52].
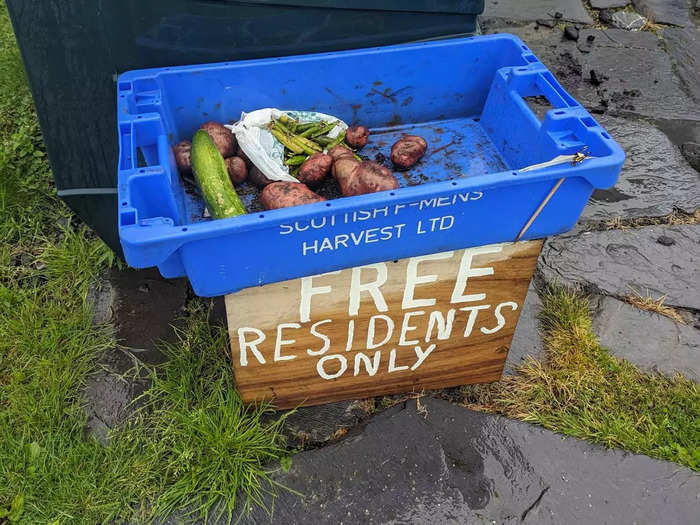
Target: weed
[676,217]
[582,391]
[207,451]
[648,303]
[195,449]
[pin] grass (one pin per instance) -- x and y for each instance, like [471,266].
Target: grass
[648,303]
[676,217]
[207,451]
[194,448]
[581,390]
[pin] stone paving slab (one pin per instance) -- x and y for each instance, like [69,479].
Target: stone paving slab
[617,262]
[142,307]
[641,77]
[102,299]
[684,46]
[527,339]
[638,76]
[674,12]
[438,463]
[531,10]
[608,4]
[655,178]
[145,307]
[649,340]
[109,393]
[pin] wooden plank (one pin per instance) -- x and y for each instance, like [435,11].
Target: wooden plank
[425,322]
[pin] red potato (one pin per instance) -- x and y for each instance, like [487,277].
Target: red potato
[257,177]
[223,138]
[237,169]
[357,136]
[315,169]
[182,151]
[408,150]
[340,151]
[358,178]
[283,194]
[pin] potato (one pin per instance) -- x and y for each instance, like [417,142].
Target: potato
[237,169]
[358,178]
[408,150]
[257,177]
[339,151]
[375,177]
[283,194]
[182,151]
[223,138]
[357,136]
[315,169]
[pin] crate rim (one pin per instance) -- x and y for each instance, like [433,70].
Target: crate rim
[176,235]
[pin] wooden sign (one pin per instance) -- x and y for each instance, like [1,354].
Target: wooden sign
[427,322]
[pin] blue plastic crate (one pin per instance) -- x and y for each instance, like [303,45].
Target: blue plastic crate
[468,97]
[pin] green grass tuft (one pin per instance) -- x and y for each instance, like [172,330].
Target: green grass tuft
[193,448]
[583,391]
[209,453]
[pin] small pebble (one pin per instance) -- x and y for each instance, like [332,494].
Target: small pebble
[665,240]
[571,33]
[605,16]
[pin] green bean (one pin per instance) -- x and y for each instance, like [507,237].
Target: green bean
[276,124]
[289,123]
[323,141]
[324,129]
[296,160]
[308,143]
[313,129]
[287,141]
[305,126]
[338,140]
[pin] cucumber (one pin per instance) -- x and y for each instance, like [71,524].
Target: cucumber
[210,171]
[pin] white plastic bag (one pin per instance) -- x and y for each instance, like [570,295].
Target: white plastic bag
[263,149]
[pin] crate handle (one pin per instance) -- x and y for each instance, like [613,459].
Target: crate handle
[553,91]
[539,209]
[127,152]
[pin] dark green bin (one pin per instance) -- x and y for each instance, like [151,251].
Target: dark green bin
[74,49]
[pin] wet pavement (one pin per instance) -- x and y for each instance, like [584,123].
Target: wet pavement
[142,308]
[651,341]
[146,306]
[655,179]
[440,463]
[526,340]
[655,260]
[433,462]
